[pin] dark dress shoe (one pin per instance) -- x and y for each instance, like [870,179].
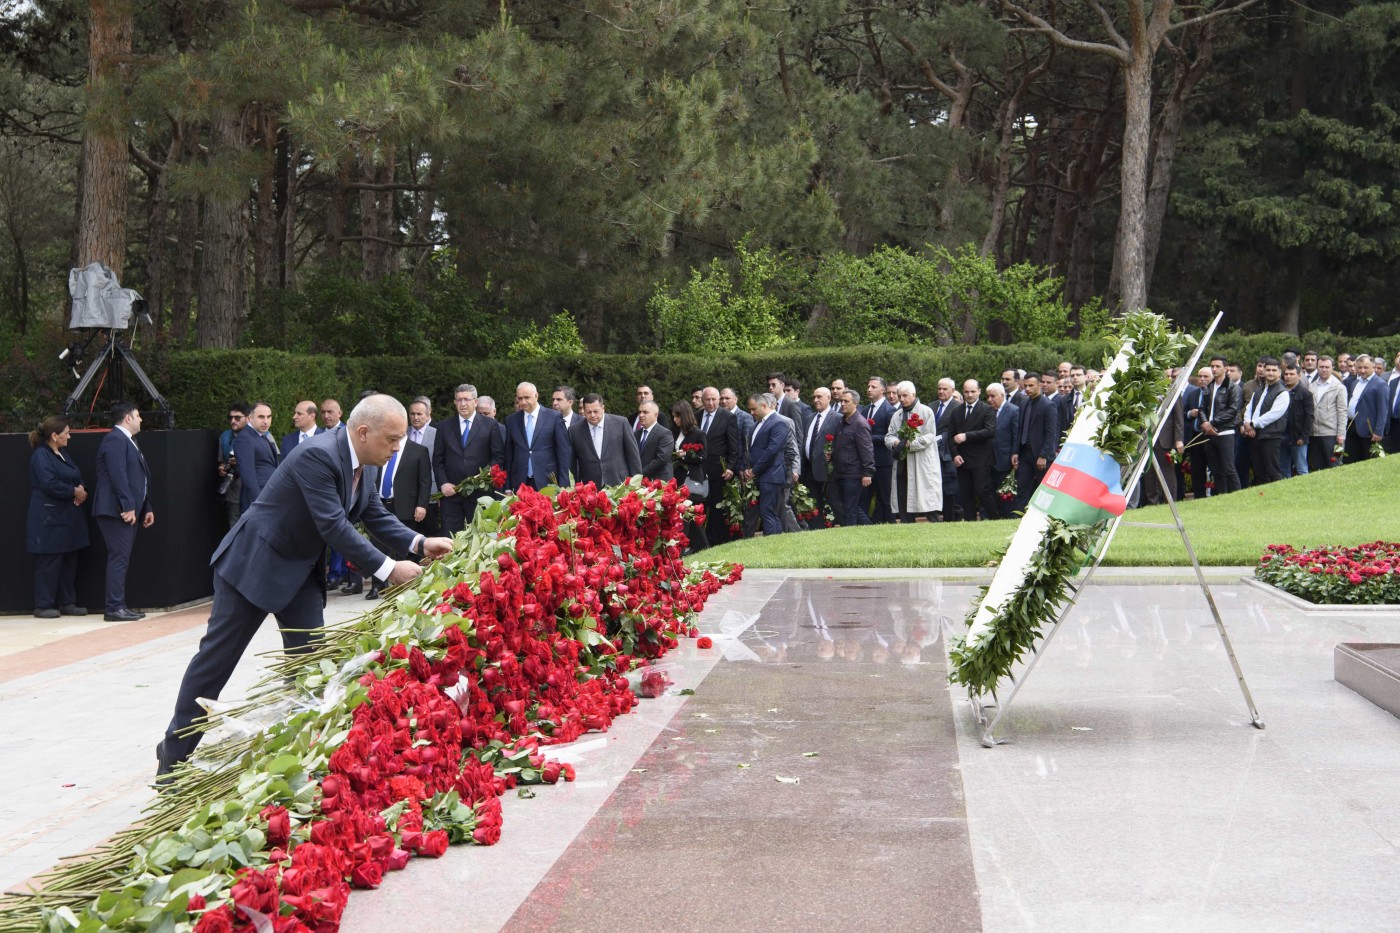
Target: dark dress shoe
[72,610]
[122,615]
[374,591]
[46,613]
[354,588]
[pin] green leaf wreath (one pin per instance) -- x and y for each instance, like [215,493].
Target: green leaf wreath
[1129,418]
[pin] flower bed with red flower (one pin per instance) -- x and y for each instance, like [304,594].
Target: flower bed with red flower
[397,736]
[1368,574]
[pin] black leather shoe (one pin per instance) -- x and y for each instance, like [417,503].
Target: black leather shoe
[164,766]
[373,591]
[46,613]
[354,588]
[72,610]
[122,615]
[137,612]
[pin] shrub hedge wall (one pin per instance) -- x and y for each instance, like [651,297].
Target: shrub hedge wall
[200,384]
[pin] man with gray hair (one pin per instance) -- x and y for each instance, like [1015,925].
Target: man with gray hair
[273,560]
[465,445]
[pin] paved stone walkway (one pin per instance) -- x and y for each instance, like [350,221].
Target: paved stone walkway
[1133,795]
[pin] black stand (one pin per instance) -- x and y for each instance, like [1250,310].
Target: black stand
[114,358]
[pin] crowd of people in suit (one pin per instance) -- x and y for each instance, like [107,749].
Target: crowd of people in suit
[880,455]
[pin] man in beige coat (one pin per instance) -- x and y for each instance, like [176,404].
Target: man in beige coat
[918,481]
[1329,416]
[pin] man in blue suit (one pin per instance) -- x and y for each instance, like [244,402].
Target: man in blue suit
[304,427]
[257,454]
[273,560]
[538,451]
[463,446]
[1005,444]
[1369,410]
[767,463]
[121,504]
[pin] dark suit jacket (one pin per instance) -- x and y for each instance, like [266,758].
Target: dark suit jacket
[1174,426]
[655,454]
[412,483]
[54,524]
[290,440]
[723,443]
[945,428]
[1300,412]
[852,453]
[1040,426]
[123,479]
[1192,399]
[1372,409]
[549,450]
[1228,404]
[306,506]
[1064,410]
[1350,382]
[976,449]
[767,456]
[1007,439]
[485,446]
[621,458]
[257,461]
[814,465]
[883,412]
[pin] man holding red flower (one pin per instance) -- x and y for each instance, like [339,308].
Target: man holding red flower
[913,439]
[852,463]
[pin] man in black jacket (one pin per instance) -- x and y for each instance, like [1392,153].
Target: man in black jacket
[724,455]
[974,425]
[654,443]
[1221,402]
[852,463]
[943,419]
[1040,440]
[1294,456]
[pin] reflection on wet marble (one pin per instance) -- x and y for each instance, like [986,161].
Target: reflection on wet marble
[1135,795]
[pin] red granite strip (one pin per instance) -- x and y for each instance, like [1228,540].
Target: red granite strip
[88,645]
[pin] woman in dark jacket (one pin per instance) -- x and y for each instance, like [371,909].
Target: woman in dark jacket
[690,465]
[56,529]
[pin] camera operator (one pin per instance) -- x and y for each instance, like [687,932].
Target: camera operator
[230,486]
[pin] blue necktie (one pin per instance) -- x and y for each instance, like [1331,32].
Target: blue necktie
[466,429]
[386,488]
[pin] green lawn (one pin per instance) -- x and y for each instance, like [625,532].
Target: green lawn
[1350,505]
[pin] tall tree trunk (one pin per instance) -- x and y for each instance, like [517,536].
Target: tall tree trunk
[223,265]
[1187,75]
[1137,137]
[102,221]
[266,224]
[286,211]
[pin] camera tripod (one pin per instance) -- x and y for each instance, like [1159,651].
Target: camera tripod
[114,359]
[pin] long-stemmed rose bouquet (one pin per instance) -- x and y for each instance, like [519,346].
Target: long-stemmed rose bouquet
[398,733]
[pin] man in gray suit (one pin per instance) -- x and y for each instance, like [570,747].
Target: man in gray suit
[605,451]
[273,560]
[655,444]
[421,430]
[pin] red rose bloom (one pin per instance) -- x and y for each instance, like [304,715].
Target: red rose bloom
[705,642]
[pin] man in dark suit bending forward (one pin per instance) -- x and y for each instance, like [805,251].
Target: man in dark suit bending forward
[272,561]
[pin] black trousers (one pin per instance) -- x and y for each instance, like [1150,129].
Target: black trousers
[1220,456]
[1263,455]
[846,501]
[456,511]
[1358,447]
[55,579]
[975,486]
[233,621]
[1320,452]
[952,504]
[120,537]
[1028,476]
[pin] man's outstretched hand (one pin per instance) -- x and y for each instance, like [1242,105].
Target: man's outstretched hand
[437,547]
[403,571]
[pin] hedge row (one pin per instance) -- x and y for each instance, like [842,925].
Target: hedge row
[200,384]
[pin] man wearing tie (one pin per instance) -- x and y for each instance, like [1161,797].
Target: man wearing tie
[1005,443]
[724,455]
[605,450]
[538,452]
[654,444]
[271,562]
[815,469]
[877,415]
[463,446]
[943,420]
[404,485]
[121,503]
[1040,440]
[974,425]
[304,421]
[1391,444]
[257,454]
